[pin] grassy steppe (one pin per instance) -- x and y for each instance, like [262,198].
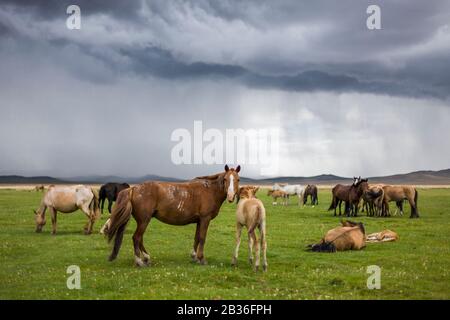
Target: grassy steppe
[33,266]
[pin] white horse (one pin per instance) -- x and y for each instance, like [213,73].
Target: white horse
[292,189]
[68,199]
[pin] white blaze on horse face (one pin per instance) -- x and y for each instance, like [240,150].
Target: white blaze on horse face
[231,192]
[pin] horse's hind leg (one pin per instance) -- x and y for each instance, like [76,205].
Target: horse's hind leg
[263,245]
[257,251]
[138,242]
[250,248]
[238,243]
[91,218]
[204,224]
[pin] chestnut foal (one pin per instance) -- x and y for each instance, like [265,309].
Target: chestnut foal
[251,213]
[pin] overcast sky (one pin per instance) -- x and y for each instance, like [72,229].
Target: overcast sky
[105,99]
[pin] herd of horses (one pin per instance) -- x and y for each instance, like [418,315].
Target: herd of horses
[198,201]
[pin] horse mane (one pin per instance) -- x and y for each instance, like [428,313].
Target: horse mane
[210,177]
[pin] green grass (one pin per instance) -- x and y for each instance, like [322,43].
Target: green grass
[33,266]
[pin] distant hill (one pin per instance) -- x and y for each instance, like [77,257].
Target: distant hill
[29,180]
[105,179]
[441,177]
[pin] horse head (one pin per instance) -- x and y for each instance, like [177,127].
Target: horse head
[231,182]
[40,220]
[247,192]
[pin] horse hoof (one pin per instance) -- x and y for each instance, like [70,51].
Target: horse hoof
[256,268]
[202,262]
[140,263]
[265,268]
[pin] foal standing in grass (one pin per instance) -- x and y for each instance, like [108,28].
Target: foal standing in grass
[251,213]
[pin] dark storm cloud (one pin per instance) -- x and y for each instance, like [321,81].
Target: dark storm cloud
[105,99]
[347,57]
[49,9]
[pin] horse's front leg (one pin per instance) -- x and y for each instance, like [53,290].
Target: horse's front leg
[204,224]
[53,213]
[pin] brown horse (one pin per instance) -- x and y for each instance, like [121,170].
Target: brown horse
[398,194]
[275,194]
[373,200]
[355,193]
[349,236]
[340,193]
[311,190]
[197,201]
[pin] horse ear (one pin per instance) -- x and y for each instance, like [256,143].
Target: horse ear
[256,189]
[238,168]
[226,168]
[35,212]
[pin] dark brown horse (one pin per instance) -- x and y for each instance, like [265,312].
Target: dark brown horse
[311,190]
[110,191]
[340,193]
[356,192]
[197,201]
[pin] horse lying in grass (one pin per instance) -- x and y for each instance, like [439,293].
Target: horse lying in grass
[251,213]
[275,194]
[67,200]
[197,201]
[349,236]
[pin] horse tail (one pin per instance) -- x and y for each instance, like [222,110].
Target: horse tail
[94,205]
[119,218]
[333,203]
[416,197]
[257,220]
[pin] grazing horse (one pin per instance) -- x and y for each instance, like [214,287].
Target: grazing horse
[251,213]
[110,191]
[398,194]
[67,200]
[39,188]
[311,190]
[291,189]
[356,191]
[196,201]
[349,236]
[275,194]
